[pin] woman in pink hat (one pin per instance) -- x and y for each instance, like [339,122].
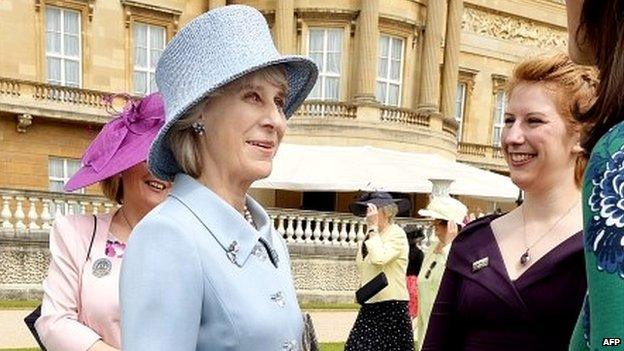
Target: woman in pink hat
[80,308]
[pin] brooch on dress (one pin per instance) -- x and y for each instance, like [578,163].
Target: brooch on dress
[480,264]
[102,267]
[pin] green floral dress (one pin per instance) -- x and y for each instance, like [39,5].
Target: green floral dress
[601,321]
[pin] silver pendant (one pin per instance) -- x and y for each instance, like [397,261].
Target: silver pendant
[525,258]
[102,267]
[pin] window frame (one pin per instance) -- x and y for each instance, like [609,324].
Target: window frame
[66,176]
[62,57]
[499,85]
[147,70]
[460,108]
[386,80]
[323,73]
[154,15]
[498,117]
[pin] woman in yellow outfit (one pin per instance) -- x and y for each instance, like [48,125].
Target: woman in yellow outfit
[383,322]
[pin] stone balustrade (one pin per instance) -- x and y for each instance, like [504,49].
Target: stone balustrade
[25,212]
[326,228]
[485,156]
[402,115]
[70,95]
[322,244]
[480,150]
[326,109]
[9,87]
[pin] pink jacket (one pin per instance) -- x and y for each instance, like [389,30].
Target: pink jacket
[79,309]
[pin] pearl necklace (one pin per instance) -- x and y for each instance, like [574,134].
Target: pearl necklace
[248,217]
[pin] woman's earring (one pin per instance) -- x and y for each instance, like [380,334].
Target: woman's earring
[198,128]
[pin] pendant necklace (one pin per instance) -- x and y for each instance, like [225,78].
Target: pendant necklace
[123,214]
[526,257]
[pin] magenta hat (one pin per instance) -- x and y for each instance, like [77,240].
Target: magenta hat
[122,143]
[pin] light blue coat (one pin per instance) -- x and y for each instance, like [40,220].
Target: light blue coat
[195,277]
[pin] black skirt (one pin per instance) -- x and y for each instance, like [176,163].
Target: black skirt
[382,326]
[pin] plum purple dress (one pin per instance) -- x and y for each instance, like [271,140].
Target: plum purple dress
[480,308]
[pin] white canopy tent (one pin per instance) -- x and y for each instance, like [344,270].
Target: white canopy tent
[335,168]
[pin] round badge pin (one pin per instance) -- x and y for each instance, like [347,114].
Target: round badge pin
[102,267]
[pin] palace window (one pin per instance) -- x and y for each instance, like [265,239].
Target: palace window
[460,107]
[325,49]
[389,70]
[499,117]
[60,169]
[149,43]
[63,48]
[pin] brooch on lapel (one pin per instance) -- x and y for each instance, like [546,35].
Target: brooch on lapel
[480,264]
[260,251]
[232,251]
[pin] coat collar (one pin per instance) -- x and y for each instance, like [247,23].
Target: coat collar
[235,236]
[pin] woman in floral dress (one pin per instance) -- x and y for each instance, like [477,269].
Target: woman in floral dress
[596,31]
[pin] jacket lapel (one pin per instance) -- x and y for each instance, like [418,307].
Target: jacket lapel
[236,237]
[470,250]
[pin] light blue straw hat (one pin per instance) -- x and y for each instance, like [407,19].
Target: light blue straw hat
[210,51]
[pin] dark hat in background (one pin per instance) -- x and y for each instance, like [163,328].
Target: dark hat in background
[379,199]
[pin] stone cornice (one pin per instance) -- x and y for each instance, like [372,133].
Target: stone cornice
[506,27]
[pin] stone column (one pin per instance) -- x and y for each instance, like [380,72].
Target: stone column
[430,81]
[284,26]
[212,4]
[450,72]
[368,38]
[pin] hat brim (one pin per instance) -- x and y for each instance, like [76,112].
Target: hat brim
[432,214]
[301,75]
[129,155]
[359,208]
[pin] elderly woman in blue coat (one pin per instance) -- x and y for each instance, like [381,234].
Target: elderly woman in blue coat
[206,270]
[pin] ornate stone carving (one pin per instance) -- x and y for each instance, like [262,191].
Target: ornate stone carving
[467,76]
[499,82]
[506,27]
[23,122]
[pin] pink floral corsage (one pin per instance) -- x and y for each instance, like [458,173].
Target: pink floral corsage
[115,248]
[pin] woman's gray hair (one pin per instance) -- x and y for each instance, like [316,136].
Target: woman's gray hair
[185,144]
[390,211]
